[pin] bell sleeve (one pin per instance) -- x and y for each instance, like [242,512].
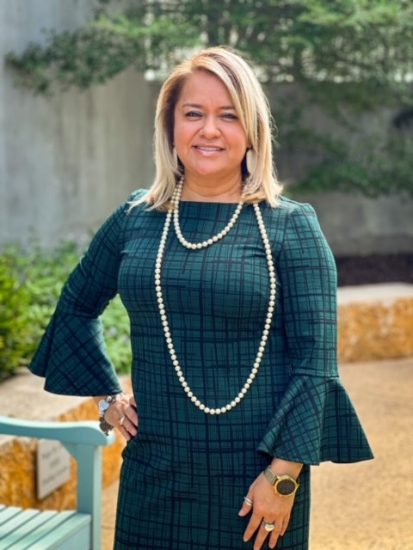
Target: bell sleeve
[315,420]
[72,356]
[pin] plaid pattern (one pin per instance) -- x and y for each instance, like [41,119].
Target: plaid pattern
[185,474]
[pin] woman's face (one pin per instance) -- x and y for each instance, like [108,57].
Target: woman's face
[208,136]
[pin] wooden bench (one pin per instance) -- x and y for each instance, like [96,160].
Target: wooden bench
[68,530]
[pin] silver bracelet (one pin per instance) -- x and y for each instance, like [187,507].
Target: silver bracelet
[104,405]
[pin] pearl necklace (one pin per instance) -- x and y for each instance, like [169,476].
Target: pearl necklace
[194,246]
[161,305]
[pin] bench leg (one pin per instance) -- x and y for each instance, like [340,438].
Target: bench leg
[89,485]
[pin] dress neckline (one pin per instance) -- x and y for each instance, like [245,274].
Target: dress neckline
[209,202]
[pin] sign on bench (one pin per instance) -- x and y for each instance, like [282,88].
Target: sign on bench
[53,467]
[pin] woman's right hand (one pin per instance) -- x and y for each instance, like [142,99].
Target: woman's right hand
[122,415]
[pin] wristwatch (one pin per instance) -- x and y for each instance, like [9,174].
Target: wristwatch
[103,406]
[284,485]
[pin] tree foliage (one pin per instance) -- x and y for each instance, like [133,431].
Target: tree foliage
[357,41]
[352,53]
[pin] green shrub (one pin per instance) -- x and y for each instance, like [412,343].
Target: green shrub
[30,283]
[14,301]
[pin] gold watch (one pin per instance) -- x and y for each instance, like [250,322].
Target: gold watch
[283,485]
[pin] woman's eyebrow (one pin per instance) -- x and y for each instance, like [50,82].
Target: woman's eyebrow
[198,106]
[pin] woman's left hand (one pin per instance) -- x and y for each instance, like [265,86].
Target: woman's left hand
[122,415]
[266,507]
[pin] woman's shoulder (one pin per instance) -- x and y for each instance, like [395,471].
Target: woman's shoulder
[137,196]
[286,207]
[134,203]
[291,205]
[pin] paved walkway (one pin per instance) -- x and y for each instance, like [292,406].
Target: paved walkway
[365,506]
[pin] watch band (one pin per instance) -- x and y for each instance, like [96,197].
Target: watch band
[103,406]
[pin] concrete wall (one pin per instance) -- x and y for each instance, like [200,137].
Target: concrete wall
[358,225]
[352,222]
[68,161]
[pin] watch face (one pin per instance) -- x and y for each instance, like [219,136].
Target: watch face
[286,487]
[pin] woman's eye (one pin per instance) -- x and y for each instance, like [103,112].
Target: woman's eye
[193,114]
[230,116]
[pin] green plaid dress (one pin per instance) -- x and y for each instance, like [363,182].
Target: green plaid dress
[185,474]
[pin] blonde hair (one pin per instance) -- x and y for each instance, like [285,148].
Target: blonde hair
[251,106]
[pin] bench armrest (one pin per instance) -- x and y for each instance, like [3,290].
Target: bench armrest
[83,433]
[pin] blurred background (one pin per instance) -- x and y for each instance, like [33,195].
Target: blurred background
[78,85]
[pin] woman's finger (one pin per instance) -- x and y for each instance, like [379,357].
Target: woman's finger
[132,415]
[268,528]
[246,506]
[128,425]
[262,534]
[124,433]
[252,526]
[275,534]
[285,525]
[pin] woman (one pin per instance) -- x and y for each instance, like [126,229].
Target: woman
[231,292]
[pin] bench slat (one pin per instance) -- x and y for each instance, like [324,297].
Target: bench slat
[11,528]
[28,528]
[7,513]
[36,530]
[41,531]
[76,529]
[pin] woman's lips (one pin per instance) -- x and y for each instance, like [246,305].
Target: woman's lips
[207,150]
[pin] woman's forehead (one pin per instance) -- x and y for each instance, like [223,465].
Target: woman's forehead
[204,87]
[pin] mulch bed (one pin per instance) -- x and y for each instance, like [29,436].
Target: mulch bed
[375,268]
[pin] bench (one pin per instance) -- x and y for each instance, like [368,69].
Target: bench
[61,530]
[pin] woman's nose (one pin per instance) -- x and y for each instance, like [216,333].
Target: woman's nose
[210,127]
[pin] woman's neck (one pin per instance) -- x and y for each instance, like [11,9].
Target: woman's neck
[211,190]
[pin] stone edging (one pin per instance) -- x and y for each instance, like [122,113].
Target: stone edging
[375,322]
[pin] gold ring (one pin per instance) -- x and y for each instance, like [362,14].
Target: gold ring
[122,420]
